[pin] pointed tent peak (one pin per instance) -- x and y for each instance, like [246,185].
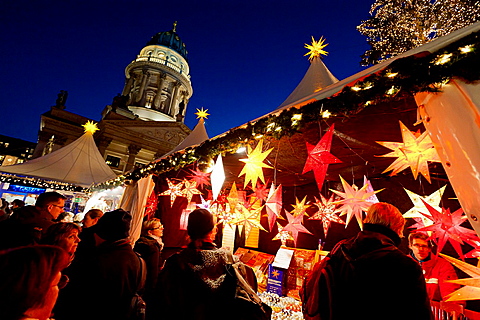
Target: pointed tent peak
[90,127]
[316,48]
[317,78]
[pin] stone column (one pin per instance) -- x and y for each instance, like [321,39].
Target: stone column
[43,138]
[102,144]
[141,90]
[173,101]
[128,85]
[133,150]
[161,79]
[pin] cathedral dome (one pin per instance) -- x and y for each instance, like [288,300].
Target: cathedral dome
[170,39]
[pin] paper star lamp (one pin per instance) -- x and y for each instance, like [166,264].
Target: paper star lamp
[90,127]
[446,227]
[248,219]
[319,157]
[373,198]
[253,169]
[419,207]
[232,197]
[174,191]
[189,189]
[151,206]
[471,289]
[326,212]
[274,204]
[202,114]
[260,192]
[316,48]
[283,235]
[415,152]
[217,177]
[204,204]
[295,225]
[300,208]
[354,201]
[202,178]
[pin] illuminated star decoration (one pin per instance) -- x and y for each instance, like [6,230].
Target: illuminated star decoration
[260,192]
[354,201]
[274,204]
[300,208]
[248,219]
[471,289]
[319,157]
[217,177]
[151,206]
[326,212]
[90,127]
[202,114]
[295,225]
[419,207]
[204,204]
[446,226]
[189,189]
[283,235]
[415,152]
[373,198]
[174,191]
[254,164]
[316,48]
[202,178]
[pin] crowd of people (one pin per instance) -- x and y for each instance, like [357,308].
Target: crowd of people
[365,277]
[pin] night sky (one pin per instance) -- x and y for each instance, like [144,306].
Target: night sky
[245,57]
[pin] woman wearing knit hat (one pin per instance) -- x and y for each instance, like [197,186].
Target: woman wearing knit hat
[195,284]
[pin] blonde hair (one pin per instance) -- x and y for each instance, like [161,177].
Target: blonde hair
[150,225]
[387,215]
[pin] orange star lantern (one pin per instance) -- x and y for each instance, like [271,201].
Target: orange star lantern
[415,152]
[326,213]
[253,169]
[471,289]
[189,189]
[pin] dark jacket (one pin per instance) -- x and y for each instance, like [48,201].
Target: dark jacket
[101,285]
[149,249]
[195,285]
[373,279]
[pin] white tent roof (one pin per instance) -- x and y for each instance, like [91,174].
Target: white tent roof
[79,163]
[316,79]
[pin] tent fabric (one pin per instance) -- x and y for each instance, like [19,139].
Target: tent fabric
[452,120]
[79,163]
[316,79]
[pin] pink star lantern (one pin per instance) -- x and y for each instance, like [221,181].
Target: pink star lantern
[319,157]
[174,191]
[373,198]
[354,201]
[205,204]
[202,178]
[295,225]
[326,212]
[190,189]
[260,192]
[446,227]
[415,152]
[300,208]
[152,203]
[274,204]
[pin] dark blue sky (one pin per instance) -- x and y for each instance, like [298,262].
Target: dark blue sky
[245,57]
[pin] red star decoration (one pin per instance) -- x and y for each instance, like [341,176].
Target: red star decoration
[326,212]
[202,178]
[151,206]
[446,227]
[260,192]
[295,225]
[319,157]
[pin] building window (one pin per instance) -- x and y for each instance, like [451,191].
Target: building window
[113,161]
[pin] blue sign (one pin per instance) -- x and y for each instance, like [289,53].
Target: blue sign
[24,189]
[275,280]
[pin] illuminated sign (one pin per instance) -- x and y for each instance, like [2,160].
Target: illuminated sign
[24,189]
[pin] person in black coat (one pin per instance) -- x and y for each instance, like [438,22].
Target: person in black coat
[369,277]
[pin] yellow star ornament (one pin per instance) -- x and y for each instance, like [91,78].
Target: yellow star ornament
[415,152]
[471,289]
[90,127]
[316,48]
[254,164]
[201,113]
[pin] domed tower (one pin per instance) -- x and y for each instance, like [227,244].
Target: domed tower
[157,85]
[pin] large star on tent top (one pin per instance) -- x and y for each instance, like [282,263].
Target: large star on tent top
[202,178]
[319,157]
[300,208]
[354,201]
[174,191]
[446,227]
[419,207]
[90,127]
[415,152]
[471,289]
[202,114]
[295,225]
[316,48]
[189,189]
[274,204]
[326,212]
[254,164]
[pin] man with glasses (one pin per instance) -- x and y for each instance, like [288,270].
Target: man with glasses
[435,269]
